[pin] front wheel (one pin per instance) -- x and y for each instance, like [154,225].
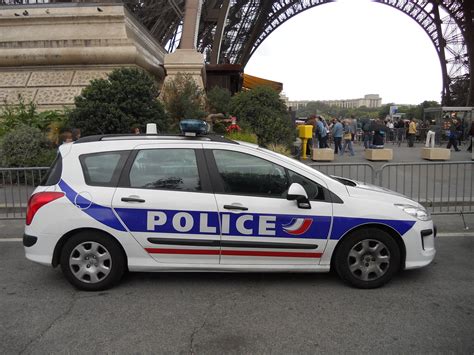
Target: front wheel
[92,261]
[367,258]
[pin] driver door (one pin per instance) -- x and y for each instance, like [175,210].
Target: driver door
[258,224]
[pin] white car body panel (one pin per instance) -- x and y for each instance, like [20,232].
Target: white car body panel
[361,205]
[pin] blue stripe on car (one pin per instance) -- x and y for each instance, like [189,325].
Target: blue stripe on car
[136,220]
[104,215]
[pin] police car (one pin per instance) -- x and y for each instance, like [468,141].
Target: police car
[117,203]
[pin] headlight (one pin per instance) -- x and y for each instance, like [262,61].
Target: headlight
[414,211]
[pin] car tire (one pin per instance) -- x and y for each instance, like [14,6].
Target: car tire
[92,261]
[367,258]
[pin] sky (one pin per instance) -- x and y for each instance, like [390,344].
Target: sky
[347,49]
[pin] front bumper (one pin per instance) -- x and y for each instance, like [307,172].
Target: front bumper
[420,245]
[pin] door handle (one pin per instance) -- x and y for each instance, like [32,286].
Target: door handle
[235,207]
[132,199]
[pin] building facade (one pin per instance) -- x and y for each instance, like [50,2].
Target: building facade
[370,100]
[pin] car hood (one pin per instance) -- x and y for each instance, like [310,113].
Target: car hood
[373,192]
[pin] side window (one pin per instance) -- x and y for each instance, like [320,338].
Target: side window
[313,189]
[54,173]
[248,175]
[103,169]
[168,169]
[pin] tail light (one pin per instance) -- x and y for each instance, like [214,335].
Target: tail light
[37,201]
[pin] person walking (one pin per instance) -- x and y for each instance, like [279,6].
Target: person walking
[399,128]
[367,133]
[347,138]
[379,133]
[411,132]
[322,133]
[312,142]
[452,135]
[337,133]
[430,136]
[471,135]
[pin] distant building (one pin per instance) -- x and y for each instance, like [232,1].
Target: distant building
[296,105]
[370,100]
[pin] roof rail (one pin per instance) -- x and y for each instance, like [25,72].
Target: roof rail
[113,137]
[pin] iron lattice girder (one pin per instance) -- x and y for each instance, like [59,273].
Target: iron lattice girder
[252,21]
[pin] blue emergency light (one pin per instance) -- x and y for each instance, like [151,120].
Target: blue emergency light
[193,127]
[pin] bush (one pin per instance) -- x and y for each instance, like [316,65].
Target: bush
[26,146]
[183,98]
[262,110]
[126,98]
[243,136]
[218,100]
[219,128]
[13,116]
[280,148]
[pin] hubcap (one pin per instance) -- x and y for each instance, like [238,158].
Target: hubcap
[369,259]
[90,262]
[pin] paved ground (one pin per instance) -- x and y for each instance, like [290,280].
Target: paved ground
[402,154]
[421,311]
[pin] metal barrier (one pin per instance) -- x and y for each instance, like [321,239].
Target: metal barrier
[361,171]
[444,187]
[16,186]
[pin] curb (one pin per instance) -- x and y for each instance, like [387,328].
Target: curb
[461,234]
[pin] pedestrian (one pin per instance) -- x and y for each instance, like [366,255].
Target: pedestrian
[321,132]
[378,131]
[367,132]
[399,129]
[452,135]
[430,138]
[411,132]
[471,135]
[353,123]
[337,133]
[312,142]
[76,134]
[66,137]
[390,127]
[347,137]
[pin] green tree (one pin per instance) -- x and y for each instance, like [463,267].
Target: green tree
[114,105]
[262,111]
[183,98]
[218,100]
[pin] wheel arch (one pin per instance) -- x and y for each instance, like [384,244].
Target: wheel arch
[59,245]
[391,231]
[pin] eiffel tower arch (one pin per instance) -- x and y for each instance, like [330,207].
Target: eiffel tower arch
[230,31]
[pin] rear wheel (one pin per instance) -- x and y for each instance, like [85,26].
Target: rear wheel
[92,261]
[368,258]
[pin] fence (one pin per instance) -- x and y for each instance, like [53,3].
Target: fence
[16,186]
[444,187]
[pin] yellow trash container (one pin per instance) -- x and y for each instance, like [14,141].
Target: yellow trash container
[305,132]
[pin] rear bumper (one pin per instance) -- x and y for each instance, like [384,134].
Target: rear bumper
[29,240]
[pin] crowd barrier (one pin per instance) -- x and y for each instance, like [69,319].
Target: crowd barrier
[442,187]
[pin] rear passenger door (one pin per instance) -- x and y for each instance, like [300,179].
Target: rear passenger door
[165,200]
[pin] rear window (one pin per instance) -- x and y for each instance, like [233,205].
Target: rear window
[53,175]
[103,169]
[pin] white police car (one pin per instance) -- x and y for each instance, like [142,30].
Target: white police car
[175,203]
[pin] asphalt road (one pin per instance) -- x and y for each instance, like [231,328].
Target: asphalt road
[421,311]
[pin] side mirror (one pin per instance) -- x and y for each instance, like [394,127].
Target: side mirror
[298,193]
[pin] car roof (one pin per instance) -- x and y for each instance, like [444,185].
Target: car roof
[154,137]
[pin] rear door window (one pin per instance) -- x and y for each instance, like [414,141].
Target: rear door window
[103,169]
[165,169]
